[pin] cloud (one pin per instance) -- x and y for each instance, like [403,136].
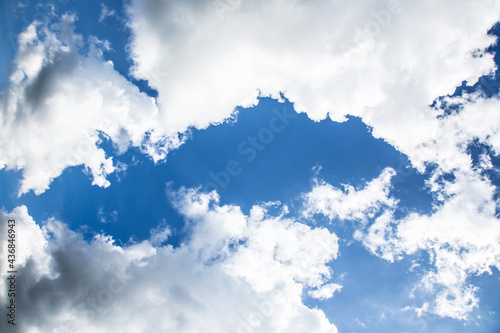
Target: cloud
[326,291]
[105,13]
[160,234]
[233,274]
[350,203]
[61,103]
[461,235]
[105,217]
[372,59]
[462,238]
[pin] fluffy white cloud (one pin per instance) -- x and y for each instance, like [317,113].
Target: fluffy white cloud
[374,59]
[326,291]
[350,203]
[234,274]
[61,102]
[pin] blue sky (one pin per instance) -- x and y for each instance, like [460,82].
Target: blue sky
[212,157]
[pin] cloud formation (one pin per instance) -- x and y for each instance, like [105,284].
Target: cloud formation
[62,103]
[371,59]
[350,203]
[461,235]
[236,273]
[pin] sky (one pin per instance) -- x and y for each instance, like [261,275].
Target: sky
[250,166]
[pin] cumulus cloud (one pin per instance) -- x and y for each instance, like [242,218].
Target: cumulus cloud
[61,103]
[350,203]
[373,59]
[233,274]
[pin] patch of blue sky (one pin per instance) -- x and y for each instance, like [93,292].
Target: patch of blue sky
[9,29]
[486,318]
[376,292]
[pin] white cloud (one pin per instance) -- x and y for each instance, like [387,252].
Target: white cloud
[59,103]
[209,283]
[477,119]
[326,291]
[160,234]
[419,311]
[461,235]
[463,238]
[105,12]
[350,203]
[224,53]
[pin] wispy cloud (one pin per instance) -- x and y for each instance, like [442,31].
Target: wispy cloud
[105,13]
